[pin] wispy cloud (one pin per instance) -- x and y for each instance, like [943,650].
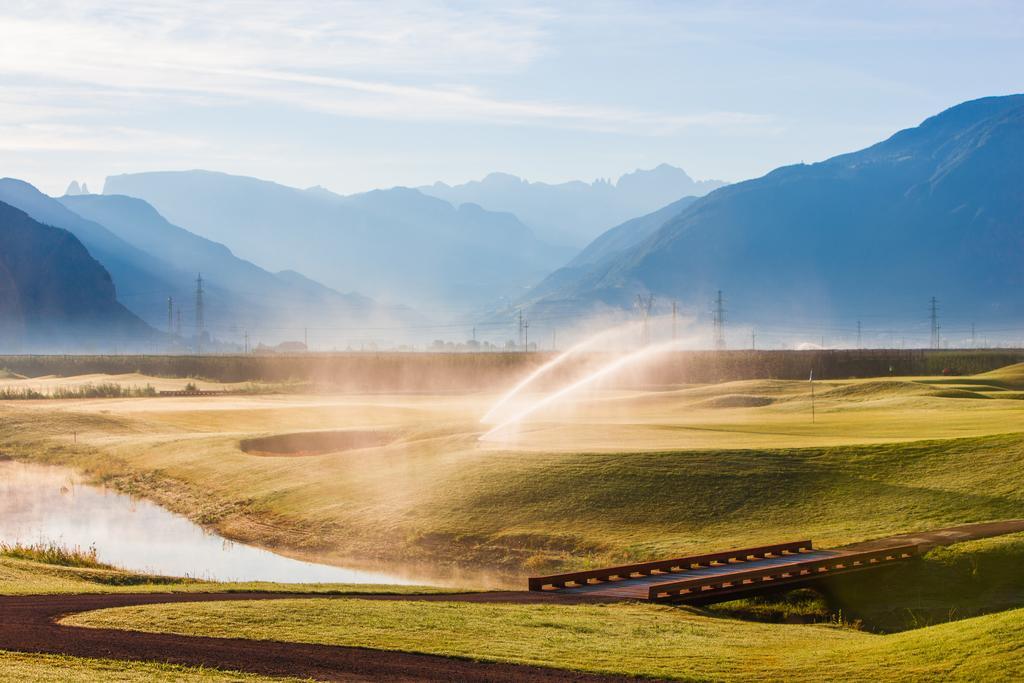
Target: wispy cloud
[65,138]
[415,61]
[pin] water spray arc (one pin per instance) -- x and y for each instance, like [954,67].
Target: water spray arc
[558,360]
[604,371]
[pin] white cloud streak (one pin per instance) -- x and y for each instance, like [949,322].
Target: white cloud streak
[395,61]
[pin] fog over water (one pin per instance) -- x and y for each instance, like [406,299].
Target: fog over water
[46,504]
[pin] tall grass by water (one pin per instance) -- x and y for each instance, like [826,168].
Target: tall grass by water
[53,553]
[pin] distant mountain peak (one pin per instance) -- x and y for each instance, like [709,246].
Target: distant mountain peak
[576,211]
[661,171]
[74,189]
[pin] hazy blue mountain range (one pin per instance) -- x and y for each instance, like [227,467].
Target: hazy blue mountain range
[151,259]
[54,296]
[143,281]
[244,296]
[934,210]
[556,294]
[619,239]
[397,244]
[576,212]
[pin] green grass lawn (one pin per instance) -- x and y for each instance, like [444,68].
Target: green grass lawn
[646,640]
[32,668]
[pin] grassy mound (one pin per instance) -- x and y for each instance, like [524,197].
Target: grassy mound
[948,584]
[874,390]
[1011,376]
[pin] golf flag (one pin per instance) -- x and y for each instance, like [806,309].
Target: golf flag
[811,380]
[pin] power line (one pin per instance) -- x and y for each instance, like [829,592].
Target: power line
[644,306]
[521,344]
[200,321]
[718,322]
[934,317]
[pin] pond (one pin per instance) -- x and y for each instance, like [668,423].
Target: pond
[47,504]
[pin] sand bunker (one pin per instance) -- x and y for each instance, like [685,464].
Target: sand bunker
[315,443]
[736,401]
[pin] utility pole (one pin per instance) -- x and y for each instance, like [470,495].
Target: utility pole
[521,328]
[858,335]
[933,310]
[170,316]
[718,322]
[177,324]
[246,342]
[645,309]
[753,340]
[674,309]
[526,335]
[200,322]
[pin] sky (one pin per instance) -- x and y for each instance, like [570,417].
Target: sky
[358,95]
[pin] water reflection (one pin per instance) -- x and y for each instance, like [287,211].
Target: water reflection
[44,504]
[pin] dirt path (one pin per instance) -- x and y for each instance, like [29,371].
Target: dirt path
[947,536]
[28,624]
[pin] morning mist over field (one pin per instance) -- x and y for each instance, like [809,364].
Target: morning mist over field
[434,340]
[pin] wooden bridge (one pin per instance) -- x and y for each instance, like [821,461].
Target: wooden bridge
[722,576]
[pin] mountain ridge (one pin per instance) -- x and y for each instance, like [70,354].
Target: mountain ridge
[575,212]
[883,227]
[396,244]
[55,296]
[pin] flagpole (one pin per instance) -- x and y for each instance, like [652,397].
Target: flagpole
[812,396]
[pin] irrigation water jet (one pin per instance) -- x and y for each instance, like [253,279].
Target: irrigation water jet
[558,360]
[603,371]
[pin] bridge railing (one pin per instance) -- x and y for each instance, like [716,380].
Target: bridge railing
[678,564]
[766,577]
